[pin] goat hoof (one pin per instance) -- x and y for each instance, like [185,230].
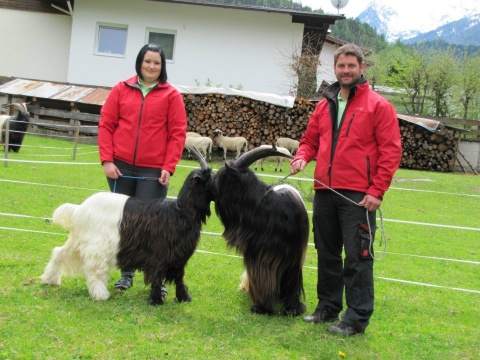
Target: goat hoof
[156,301]
[294,311]
[255,309]
[184,298]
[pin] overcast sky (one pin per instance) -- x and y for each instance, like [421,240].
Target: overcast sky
[353,8]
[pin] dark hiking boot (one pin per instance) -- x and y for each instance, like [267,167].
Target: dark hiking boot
[344,329]
[322,315]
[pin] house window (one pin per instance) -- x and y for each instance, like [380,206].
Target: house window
[111,40]
[164,38]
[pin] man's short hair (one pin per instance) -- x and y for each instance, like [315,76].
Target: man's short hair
[348,49]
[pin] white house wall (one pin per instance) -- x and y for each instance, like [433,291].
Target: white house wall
[216,46]
[326,71]
[34,45]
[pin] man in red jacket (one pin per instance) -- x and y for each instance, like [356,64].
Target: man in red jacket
[354,136]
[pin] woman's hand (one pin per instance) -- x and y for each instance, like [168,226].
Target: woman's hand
[164,177]
[111,170]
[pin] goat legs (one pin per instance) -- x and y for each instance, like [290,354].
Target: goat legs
[291,290]
[181,290]
[157,294]
[52,274]
[245,286]
[97,278]
[292,306]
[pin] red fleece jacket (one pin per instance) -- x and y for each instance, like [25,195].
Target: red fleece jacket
[364,153]
[140,131]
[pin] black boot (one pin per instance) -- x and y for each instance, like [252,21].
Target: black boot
[126,281]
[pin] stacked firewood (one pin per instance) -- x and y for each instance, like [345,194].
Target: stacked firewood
[426,150]
[259,122]
[262,123]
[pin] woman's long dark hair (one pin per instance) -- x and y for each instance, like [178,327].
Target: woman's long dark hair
[141,54]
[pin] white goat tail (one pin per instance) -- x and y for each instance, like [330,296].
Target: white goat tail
[63,215]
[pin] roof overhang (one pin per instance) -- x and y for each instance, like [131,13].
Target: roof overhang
[427,122]
[310,19]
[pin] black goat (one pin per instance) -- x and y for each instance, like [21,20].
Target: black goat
[157,236]
[269,227]
[17,125]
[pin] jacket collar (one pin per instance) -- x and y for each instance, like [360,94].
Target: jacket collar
[332,91]
[133,82]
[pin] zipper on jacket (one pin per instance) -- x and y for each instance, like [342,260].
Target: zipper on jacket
[349,125]
[335,134]
[329,173]
[138,131]
[368,172]
[332,98]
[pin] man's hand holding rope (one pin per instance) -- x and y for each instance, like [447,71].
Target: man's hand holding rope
[369,202]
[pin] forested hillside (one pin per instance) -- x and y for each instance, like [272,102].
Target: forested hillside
[458,50]
[276,4]
[429,78]
[432,78]
[363,35]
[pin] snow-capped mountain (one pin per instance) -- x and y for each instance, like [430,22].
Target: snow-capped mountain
[465,31]
[424,17]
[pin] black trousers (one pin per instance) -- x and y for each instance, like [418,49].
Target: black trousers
[131,185]
[338,225]
[140,188]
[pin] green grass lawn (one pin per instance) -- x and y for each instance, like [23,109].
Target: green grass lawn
[427,285]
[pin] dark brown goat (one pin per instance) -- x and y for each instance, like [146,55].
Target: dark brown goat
[269,227]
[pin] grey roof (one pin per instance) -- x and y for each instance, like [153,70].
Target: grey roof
[302,17]
[56,91]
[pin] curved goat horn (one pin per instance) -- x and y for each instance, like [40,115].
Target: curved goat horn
[199,156]
[248,158]
[22,107]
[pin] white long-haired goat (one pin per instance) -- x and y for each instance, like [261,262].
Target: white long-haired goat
[157,236]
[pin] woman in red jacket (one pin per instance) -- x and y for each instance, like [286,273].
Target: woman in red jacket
[354,136]
[141,133]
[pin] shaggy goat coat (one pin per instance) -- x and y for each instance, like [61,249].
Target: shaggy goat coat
[114,230]
[269,227]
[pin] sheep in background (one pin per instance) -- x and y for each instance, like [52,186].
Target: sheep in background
[278,159]
[269,227]
[18,125]
[192,134]
[157,236]
[290,144]
[236,143]
[203,143]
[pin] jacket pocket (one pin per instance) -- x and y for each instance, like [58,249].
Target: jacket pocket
[349,125]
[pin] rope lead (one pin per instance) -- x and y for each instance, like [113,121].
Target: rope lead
[383,239]
[132,177]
